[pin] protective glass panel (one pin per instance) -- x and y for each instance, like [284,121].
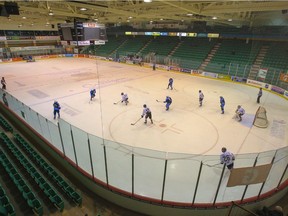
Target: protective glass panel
[35,121]
[119,164]
[181,178]
[209,179]
[81,147]
[98,160]
[277,169]
[67,139]
[148,172]
[248,160]
[55,136]
[27,115]
[45,128]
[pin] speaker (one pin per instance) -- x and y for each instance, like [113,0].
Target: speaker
[12,8]
[52,26]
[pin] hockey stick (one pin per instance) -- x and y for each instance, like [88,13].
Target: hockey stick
[136,121]
[117,102]
[158,101]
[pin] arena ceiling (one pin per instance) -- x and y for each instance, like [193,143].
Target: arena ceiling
[123,12]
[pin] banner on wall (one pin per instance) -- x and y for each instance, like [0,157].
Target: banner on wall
[249,175]
[262,73]
[283,77]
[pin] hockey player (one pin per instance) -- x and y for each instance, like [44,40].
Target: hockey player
[239,113]
[168,102]
[170,84]
[147,113]
[57,108]
[222,104]
[227,158]
[201,97]
[3,83]
[259,95]
[92,93]
[124,98]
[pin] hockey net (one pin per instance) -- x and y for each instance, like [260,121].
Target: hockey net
[260,119]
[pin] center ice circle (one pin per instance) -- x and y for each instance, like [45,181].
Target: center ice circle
[170,132]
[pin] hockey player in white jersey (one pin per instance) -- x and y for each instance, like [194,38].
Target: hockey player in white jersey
[147,113]
[124,98]
[227,158]
[201,97]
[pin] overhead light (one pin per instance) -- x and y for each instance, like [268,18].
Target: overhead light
[50,13]
[189,14]
[128,20]
[47,23]
[182,20]
[83,9]
[32,24]
[20,25]
[214,18]
[151,21]
[229,20]
[23,17]
[130,17]
[95,19]
[161,19]
[147,1]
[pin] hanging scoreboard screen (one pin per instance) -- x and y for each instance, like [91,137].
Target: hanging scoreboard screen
[79,31]
[94,31]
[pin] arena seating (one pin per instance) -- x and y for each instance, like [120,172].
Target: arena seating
[133,45]
[233,57]
[192,52]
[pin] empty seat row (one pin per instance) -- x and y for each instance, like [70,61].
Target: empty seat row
[41,163]
[5,124]
[21,184]
[38,178]
[6,208]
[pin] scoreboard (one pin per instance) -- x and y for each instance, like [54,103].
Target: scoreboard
[82,31]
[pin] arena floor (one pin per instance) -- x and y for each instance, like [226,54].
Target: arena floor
[186,128]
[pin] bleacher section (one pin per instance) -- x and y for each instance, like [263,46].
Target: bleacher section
[161,46]
[276,60]
[107,49]
[234,57]
[133,45]
[34,179]
[192,52]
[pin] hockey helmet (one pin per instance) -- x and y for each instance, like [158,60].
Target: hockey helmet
[223,149]
[122,93]
[144,105]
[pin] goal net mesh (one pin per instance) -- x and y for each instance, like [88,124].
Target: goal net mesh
[260,119]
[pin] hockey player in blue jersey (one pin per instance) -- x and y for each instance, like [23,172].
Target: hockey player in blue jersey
[147,113]
[222,104]
[170,84]
[57,108]
[92,94]
[168,102]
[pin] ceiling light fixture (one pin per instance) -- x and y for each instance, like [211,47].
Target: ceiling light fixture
[229,20]
[214,18]
[83,9]
[147,1]
[23,17]
[50,13]
[130,17]
[189,14]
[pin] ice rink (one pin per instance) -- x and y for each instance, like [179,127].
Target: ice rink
[186,128]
